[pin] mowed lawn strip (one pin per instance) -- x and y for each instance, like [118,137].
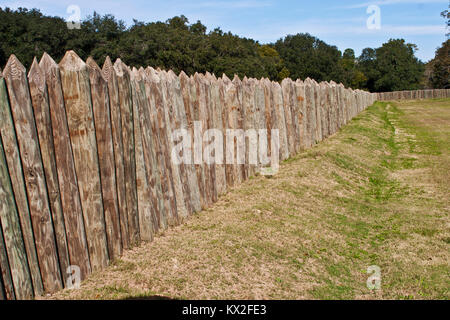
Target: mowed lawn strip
[376,193]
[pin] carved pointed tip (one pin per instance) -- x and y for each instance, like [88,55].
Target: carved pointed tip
[171,73]
[14,68]
[108,60]
[47,62]
[90,62]
[183,75]
[119,67]
[72,62]
[34,68]
[236,78]
[107,69]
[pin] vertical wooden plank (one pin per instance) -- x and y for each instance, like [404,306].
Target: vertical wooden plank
[145,205]
[14,167]
[187,122]
[157,109]
[116,129]
[209,125]
[228,118]
[239,123]
[126,111]
[170,110]
[249,113]
[217,105]
[261,121]
[317,102]
[68,185]
[295,109]
[105,149]
[287,104]
[2,290]
[280,122]
[149,153]
[200,116]
[152,154]
[27,138]
[39,98]
[301,102]
[179,121]
[7,205]
[80,119]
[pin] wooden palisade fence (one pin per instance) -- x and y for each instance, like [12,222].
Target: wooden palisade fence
[414,95]
[85,156]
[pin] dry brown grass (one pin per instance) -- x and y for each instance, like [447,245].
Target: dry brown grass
[374,194]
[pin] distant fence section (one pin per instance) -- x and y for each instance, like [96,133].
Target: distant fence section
[86,166]
[413,95]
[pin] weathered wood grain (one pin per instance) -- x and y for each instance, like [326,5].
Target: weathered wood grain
[152,154]
[116,129]
[301,106]
[105,149]
[280,124]
[14,167]
[242,175]
[170,109]
[7,207]
[179,121]
[249,124]
[158,104]
[287,105]
[68,185]
[187,123]
[38,200]
[318,105]
[145,205]
[80,119]
[149,152]
[211,167]
[260,121]
[126,111]
[39,98]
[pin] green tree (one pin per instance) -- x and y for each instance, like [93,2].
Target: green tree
[306,56]
[440,67]
[392,67]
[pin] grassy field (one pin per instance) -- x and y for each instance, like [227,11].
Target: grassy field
[376,193]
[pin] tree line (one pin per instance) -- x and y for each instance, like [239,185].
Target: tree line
[179,45]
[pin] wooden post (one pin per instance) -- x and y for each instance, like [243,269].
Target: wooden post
[145,205]
[77,96]
[116,129]
[102,120]
[14,167]
[8,208]
[280,122]
[149,152]
[287,106]
[157,110]
[249,113]
[126,111]
[68,185]
[187,122]
[228,117]
[27,138]
[217,104]
[152,155]
[261,121]
[39,98]
[301,102]
[171,107]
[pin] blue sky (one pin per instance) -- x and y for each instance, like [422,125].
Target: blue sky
[341,23]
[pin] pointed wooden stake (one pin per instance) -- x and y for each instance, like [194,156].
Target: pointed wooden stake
[77,96]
